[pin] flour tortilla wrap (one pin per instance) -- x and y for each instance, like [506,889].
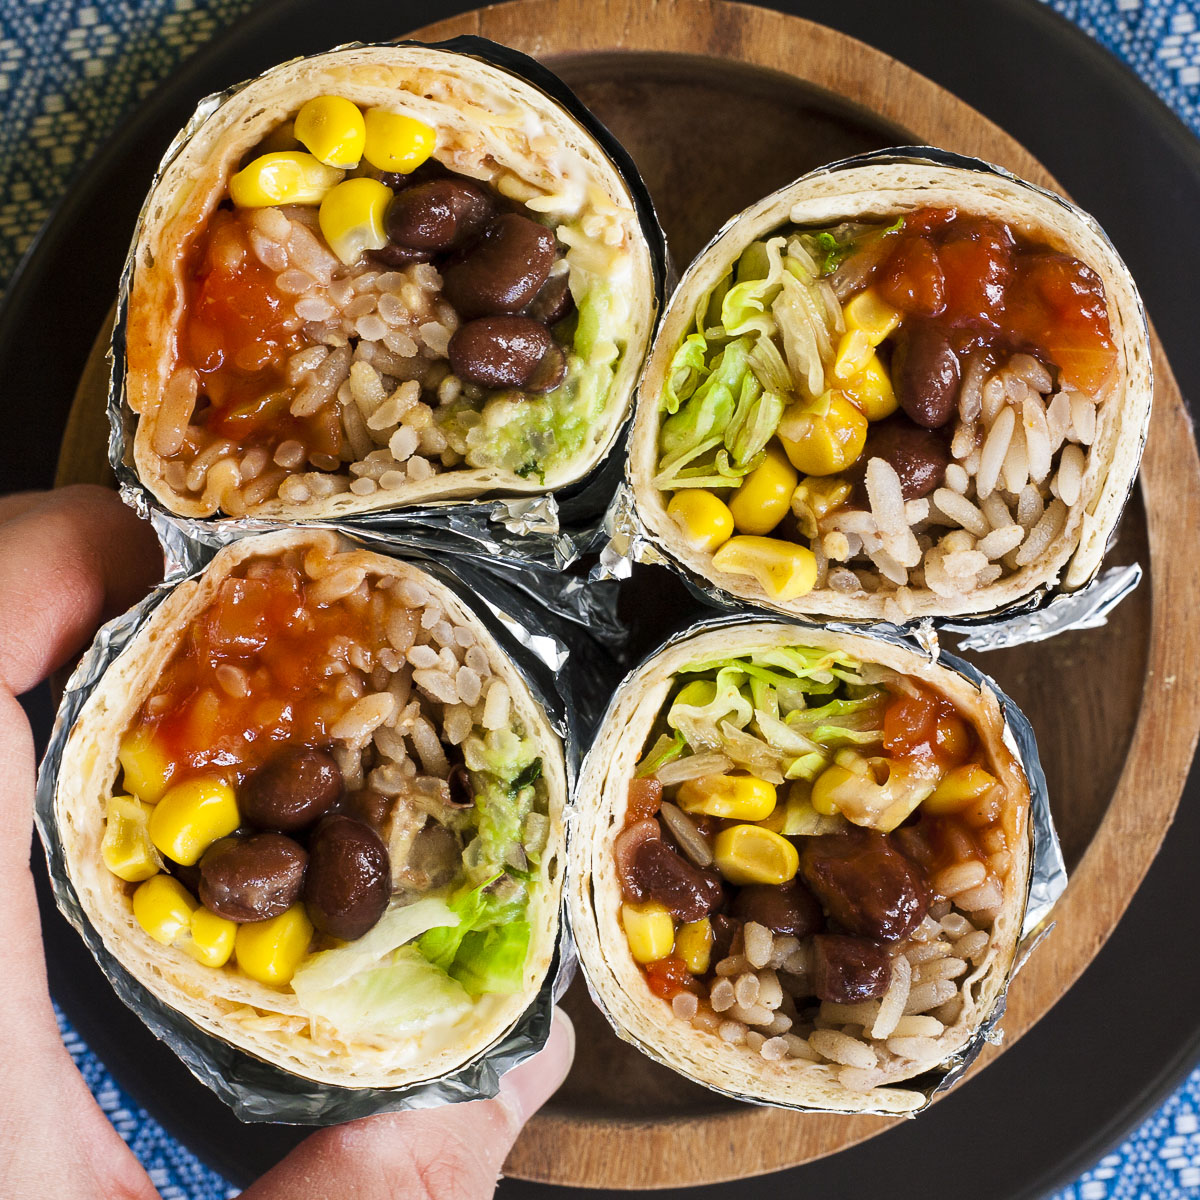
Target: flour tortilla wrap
[492,125]
[878,188]
[594,891]
[264,1021]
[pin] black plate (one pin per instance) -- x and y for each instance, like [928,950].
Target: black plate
[1098,1062]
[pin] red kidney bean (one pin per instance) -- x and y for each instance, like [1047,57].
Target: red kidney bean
[919,456]
[295,788]
[723,928]
[499,352]
[503,271]
[554,302]
[549,372]
[349,877]
[253,878]
[788,908]
[625,849]
[847,970]
[866,886]
[664,875]
[439,215]
[925,373]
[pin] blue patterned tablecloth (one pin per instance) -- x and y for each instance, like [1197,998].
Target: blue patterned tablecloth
[69,69]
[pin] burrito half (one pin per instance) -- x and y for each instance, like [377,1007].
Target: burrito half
[315,808]
[378,277]
[799,866]
[895,389]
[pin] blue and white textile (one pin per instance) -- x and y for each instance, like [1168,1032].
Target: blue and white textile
[70,69]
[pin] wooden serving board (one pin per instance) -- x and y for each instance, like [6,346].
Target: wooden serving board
[720,103]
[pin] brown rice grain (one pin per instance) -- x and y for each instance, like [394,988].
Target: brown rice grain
[1015,471]
[1030,507]
[745,989]
[929,995]
[972,946]
[175,412]
[363,718]
[891,1004]
[721,995]
[919,953]
[839,1048]
[1083,419]
[437,684]
[798,1047]
[939,968]
[918,1026]
[685,1005]
[912,1048]
[732,1032]
[958,878]
[495,706]
[706,1020]
[733,965]
[759,943]
[1069,479]
[985,897]
[960,509]
[957,479]
[1043,533]
[1037,437]
[995,451]
[1001,541]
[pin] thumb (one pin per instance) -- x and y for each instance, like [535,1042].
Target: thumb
[449,1153]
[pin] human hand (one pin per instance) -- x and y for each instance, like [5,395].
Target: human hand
[69,560]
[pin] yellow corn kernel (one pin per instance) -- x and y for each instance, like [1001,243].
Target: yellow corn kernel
[286,177]
[762,500]
[750,854]
[352,216]
[704,519]
[270,951]
[650,929]
[333,129]
[871,392]
[396,142]
[191,816]
[126,848]
[823,436]
[869,319]
[147,768]
[784,570]
[742,797]
[163,907]
[815,498]
[212,938]
[959,788]
[694,944]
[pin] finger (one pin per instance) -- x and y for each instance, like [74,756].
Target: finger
[450,1153]
[67,563]
[16,503]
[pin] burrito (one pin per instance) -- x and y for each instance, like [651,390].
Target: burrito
[314,808]
[378,277]
[895,389]
[799,866]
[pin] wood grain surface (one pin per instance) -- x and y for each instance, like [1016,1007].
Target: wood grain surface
[720,103]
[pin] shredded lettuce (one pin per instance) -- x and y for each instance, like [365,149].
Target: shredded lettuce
[665,750]
[700,708]
[686,371]
[843,722]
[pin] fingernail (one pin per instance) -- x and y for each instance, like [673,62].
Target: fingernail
[527,1087]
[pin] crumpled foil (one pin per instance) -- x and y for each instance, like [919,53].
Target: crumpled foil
[1042,613]
[531,635]
[1047,877]
[551,531]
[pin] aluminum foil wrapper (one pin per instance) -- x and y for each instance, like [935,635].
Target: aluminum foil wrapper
[254,1089]
[1047,876]
[551,530]
[1043,613]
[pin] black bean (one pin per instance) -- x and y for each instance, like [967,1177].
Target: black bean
[349,877]
[864,884]
[368,806]
[292,790]
[848,970]
[498,352]
[919,456]
[461,793]
[253,878]
[503,271]
[554,302]
[549,372]
[789,908]
[393,255]
[439,215]
[926,373]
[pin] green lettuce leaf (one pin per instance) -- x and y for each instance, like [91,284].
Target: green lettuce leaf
[402,991]
[493,960]
[686,371]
